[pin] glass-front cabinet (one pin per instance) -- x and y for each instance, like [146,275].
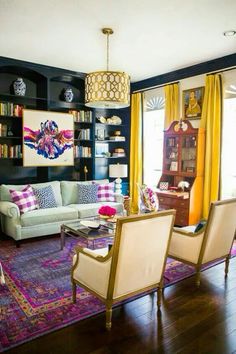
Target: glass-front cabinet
[181,184]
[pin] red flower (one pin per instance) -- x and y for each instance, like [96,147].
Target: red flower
[106,210]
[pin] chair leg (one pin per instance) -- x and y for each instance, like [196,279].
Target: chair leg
[108,316]
[227,266]
[74,292]
[198,276]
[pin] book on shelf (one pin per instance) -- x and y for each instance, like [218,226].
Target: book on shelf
[82,116]
[118,154]
[11,109]
[83,134]
[82,151]
[3,130]
[10,151]
[117,138]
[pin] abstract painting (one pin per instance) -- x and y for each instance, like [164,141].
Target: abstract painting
[48,138]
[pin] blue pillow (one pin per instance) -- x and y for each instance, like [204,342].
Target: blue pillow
[200,225]
[45,197]
[87,193]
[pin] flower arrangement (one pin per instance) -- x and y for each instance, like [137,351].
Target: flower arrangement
[183,184]
[106,210]
[149,201]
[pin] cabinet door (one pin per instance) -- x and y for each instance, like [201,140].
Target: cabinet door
[189,154]
[171,154]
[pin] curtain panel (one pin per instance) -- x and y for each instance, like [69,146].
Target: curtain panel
[136,155]
[211,121]
[171,103]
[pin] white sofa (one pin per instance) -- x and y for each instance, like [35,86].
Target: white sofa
[42,222]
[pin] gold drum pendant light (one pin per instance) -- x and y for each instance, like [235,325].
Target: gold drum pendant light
[107,89]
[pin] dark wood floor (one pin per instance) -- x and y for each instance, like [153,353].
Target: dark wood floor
[192,321]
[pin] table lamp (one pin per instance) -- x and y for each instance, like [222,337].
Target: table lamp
[117,171]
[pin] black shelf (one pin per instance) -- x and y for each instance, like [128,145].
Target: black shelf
[20,99]
[3,116]
[110,141]
[66,105]
[11,137]
[83,140]
[76,122]
[111,125]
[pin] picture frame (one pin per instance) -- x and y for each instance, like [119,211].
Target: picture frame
[100,134]
[48,138]
[192,103]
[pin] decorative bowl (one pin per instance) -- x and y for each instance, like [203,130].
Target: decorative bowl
[90,224]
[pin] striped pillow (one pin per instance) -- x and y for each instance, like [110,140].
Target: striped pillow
[24,199]
[106,192]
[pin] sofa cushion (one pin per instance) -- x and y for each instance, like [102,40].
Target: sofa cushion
[46,216]
[87,193]
[69,191]
[24,199]
[45,197]
[88,210]
[5,193]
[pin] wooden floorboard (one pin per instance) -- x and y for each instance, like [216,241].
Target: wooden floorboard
[193,320]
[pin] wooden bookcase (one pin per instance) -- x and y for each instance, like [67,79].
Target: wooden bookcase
[183,160]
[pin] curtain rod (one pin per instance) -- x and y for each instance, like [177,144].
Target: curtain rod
[176,82]
[157,86]
[221,71]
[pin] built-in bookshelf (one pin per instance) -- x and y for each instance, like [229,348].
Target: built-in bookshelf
[44,91]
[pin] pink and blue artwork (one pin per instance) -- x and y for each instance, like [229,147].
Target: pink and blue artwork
[47,138]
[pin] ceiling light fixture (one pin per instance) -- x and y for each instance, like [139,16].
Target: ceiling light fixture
[107,89]
[229,33]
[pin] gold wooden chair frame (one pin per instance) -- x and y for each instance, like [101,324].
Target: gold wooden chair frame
[135,264]
[213,242]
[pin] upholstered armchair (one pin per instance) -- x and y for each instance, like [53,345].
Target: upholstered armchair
[134,265]
[214,241]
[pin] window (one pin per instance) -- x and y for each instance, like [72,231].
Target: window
[228,161]
[153,127]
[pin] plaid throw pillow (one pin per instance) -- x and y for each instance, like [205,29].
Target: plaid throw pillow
[24,199]
[106,192]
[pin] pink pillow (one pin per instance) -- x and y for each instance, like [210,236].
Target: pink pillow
[24,199]
[105,192]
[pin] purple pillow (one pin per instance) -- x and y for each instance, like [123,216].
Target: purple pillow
[24,199]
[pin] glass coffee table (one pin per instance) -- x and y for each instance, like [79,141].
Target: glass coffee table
[76,229]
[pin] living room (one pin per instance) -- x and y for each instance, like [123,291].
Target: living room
[80,162]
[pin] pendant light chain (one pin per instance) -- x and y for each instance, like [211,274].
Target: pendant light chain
[108,51]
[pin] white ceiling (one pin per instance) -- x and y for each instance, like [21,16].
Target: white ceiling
[151,37]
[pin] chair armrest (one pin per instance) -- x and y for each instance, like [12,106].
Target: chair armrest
[92,270]
[187,232]
[119,198]
[100,255]
[9,209]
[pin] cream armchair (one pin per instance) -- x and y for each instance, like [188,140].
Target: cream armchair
[134,264]
[214,241]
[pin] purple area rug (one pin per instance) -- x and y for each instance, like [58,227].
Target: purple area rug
[36,298]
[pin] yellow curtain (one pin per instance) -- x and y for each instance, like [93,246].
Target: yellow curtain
[136,158]
[171,103]
[211,121]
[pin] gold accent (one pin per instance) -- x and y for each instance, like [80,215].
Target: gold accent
[113,255]
[107,31]
[107,89]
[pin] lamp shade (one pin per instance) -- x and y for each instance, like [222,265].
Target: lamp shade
[118,170]
[107,89]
